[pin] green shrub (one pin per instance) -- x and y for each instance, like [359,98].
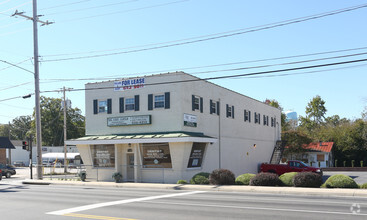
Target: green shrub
[265,179]
[200,178]
[363,186]
[82,175]
[182,182]
[361,162]
[307,179]
[287,178]
[340,181]
[244,179]
[117,177]
[221,177]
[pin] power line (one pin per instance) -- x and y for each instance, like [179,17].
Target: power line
[215,78]
[63,5]
[12,65]
[16,66]
[119,12]
[232,76]
[9,25]
[15,86]
[14,32]
[233,69]
[12,9]
[208,37]
[94,7]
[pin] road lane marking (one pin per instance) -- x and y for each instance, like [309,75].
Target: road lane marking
[100,205]
[260,208]
[96,217]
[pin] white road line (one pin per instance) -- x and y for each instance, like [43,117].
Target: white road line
[99,205]
[260,208]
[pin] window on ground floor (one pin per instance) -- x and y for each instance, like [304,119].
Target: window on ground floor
[156,155]
[103,155]
[196,155]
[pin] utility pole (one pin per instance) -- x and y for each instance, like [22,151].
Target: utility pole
[9,150]
[65,130]
[36,83]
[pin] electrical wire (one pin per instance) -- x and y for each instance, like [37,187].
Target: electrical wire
[12,65]
[12,87]
[12,24]
[12,9]
[226,70]
[230,76]
[203,38]
[94,7]
[63,5]
[124,11]
[14,32]
[16,66]
[213,78]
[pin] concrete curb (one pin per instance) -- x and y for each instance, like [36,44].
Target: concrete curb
[235,188]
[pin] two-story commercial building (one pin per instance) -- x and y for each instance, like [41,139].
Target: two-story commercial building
[167,127]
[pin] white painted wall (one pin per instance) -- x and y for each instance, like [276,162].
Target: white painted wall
[236,137]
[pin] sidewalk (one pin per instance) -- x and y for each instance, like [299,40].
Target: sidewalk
[233,188]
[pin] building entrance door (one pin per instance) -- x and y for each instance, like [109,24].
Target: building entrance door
[130,167]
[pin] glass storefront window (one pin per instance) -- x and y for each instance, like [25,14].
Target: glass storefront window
[196,155]
[156,155]
[103,155]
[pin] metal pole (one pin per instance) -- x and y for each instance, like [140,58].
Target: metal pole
[30,155]
[219,141]
[65,134]
[37,92]
[9,150]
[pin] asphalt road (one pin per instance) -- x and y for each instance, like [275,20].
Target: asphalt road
[19,201]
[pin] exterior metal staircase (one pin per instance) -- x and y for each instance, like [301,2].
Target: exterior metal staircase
[277,153]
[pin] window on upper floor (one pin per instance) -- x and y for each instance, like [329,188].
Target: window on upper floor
[214,107]
[230,111]
[129,104]
[257,118]
[197,103]
[247,115]
[159,101]
[102,106]
[266,120]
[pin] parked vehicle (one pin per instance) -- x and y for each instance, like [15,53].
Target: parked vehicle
[7,170]
[1,176]
[291,166]
[19,164]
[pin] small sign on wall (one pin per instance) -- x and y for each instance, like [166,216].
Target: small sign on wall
[190,120]
[129,120]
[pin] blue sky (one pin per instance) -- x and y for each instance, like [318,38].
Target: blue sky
[117,26]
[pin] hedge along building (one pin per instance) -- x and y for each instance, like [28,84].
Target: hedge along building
[167,127]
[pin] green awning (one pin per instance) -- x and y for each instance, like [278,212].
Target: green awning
[143,138]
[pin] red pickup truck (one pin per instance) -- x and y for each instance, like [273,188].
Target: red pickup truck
[291,166]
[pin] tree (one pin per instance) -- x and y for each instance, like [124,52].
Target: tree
[4,130]
[285,125]
[295,141]
[21,127]
[316,110]
[315,116]
[52,122]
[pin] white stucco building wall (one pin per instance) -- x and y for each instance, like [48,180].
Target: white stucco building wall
[231,142]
